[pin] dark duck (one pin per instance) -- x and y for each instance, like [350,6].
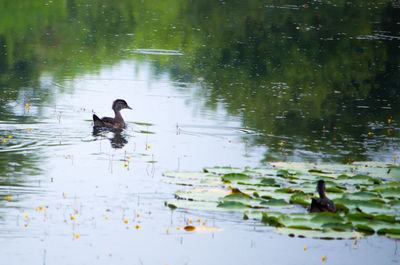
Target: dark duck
[322,204]
[113,123]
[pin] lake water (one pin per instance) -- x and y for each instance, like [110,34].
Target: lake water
[211,84]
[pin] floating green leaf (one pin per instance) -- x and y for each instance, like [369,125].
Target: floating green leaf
[189,175]
[365,229]
[275,202]
[235,176]
[327,234]
[301,199]
[222,170]
[271,220]
[202,194]
[339,226]
[233,205]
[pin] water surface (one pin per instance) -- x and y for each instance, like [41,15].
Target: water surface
[211,84]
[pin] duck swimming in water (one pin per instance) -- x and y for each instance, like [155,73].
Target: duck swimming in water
[114,123]
[322,204]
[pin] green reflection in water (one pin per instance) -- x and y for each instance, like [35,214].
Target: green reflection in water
[316,76]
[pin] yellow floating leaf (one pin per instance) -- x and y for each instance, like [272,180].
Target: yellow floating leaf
[189,228]
[201,228]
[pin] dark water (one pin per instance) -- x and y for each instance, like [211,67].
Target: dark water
[211,83]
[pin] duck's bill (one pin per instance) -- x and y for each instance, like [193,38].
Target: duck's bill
[128,107]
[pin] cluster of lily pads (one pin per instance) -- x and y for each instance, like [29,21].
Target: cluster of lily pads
[366,195]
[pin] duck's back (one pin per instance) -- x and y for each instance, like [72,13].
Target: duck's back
[97,122]
[108,122]
[322,205]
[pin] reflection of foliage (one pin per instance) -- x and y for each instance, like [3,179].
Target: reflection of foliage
[64,38]
[67,35]
[16,165]
[308,64]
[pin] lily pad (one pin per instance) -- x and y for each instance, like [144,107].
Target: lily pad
[202,194]
[192,182]
[269,182]
[190,175]
[222,170]
[327,234]
[185,204]
[243,198]
[233,205]
[275,202]
[235,177]
[338,226]
[365,229]
[271,220]
[301,199]
[327,217]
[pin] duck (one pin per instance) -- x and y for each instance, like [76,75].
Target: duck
[113,123]
[323,203]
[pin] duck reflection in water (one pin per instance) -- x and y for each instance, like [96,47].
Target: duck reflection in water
[117,141]
[322,204]
[115,125]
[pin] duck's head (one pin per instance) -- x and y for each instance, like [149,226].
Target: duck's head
[120,104]
[321,187]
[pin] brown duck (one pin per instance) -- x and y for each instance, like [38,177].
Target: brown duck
[114,123]
[322,204]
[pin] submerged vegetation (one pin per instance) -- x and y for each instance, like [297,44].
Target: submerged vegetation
[366,195]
